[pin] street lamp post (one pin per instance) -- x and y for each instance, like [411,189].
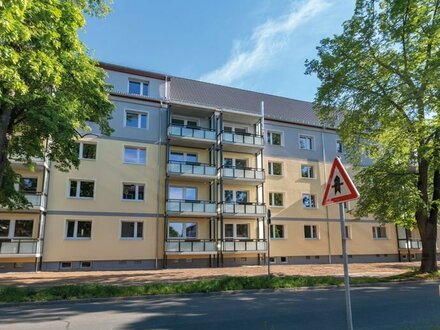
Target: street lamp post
[269,220]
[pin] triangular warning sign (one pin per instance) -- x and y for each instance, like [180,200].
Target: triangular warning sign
[339,187]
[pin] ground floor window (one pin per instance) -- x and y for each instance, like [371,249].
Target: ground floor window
[277,231]
[79,229]
[310,232]
[182,230]
[132,229]
[379,232]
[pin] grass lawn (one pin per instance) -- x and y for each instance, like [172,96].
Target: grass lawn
[83,291]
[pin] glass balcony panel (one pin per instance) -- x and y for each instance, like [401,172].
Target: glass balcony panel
[210,170]
[240,208]
[34,199]
[249,209]
[198,208]
[198,170]
[228,246]
[260,209]
[176,130]
[259,174]
[210,135]
[187,132]
[249,174]
[174,168]
[186,207]
[239,173]
[198,134]
[173,206]
[261,246]
[229,172]
[9,248]
[210,246]
[251,246]
[28,247]
[187,169]
[249,139]
[240,246]
[172,246]
[185,246]
[228,137]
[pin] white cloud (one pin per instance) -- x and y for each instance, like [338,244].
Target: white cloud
[266,40]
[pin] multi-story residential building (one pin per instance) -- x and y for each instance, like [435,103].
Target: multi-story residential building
[186,180]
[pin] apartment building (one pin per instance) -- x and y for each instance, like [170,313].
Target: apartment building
[186,180]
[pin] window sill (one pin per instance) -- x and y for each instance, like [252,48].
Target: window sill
[133,200]
[128,163]
[78,239]
[381,238]
[278,239]
[311,239]
[131,238]
[82,198]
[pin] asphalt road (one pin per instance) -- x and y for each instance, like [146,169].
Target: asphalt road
[395,306]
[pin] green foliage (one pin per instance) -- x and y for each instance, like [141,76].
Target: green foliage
[49,86]
[380,85]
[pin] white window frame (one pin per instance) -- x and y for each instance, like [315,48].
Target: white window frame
[234,126]
[313,171]
[75,230]
[81,150]
[306,136]
[185,155]
[311,231]
[11,230]
[136,228]
[184,191]
[234,161]
[137,155]
[185,119]
[375,232]
[270,132]
[272,231]
[310,195]
[234,230]
[272,199]
[78,188]
[270,168]
[139,113]
[137,185]
[142,82]
[234,195]
[185,223]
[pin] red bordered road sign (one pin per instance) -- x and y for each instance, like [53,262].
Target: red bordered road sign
[339,187]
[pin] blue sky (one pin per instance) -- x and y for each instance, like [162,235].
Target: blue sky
[259,45]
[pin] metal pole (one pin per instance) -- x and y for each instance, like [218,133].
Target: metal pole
[346,275]
[269,220]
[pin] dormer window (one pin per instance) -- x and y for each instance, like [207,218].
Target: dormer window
[138,87]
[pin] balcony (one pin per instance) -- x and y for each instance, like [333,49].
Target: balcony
[38,201]
[244,175]
[20,248]
[197,246]
[245,210]
[237,141]
[197,136]
[244,246]
[191,171]
[414,244]
[182,207]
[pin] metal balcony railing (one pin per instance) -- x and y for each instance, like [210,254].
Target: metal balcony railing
[21,246]
[175,167]
[37,199]
[190,206]
[257,209]
[242,138]
[191,132]
[190,246]
[244,245]
[246,173]
[409,244]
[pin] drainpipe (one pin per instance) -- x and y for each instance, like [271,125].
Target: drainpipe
[324,159]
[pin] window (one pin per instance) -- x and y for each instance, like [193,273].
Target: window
[78,229]
[347,232]
[309,201]
[276,199]
[133,155]
[184,122]
[236,230]
[183,193]
[275,168]
[133,192]
[138,87]
[87,150]
[28,185]
[310,232]
[65,265]
[85,264]
[183,157]
[81,189]
[379,232]
[307,171]
[132,229]
[4,227]
[274,138]
[23,228]
[277,231]
[306,142]
[182,230]
[237,196]
[339,147]
[136,119]
[233,162]
[228,128]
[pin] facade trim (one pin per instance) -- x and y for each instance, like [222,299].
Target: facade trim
[101,214]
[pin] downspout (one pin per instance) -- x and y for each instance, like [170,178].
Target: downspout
[326,208]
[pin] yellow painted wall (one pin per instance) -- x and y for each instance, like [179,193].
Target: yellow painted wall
[202,154]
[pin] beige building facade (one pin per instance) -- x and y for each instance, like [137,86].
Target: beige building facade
[186,180]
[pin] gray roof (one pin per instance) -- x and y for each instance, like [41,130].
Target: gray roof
[223,97]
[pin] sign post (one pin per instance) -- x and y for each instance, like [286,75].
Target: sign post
[269,221]
[341,189]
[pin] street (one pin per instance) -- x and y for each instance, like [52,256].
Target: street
[385,306]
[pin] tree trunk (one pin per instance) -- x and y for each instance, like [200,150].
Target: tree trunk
[5,118]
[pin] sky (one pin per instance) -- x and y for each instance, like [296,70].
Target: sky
[258,45]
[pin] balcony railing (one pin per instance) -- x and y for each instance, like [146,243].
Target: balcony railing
[190,246]
[244,245]
[198,169]
[251,209]
[242,138]
[37,199]
[190,206]
[193,132]
[246,173]
[20,246]
[410,244]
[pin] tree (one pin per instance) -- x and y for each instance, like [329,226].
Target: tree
[49,86]
[380,85]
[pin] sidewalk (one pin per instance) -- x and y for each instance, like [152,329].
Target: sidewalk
[178,275]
